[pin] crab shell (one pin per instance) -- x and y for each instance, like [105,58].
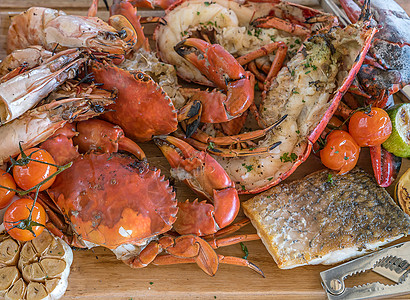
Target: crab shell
[142,108]
[114,199]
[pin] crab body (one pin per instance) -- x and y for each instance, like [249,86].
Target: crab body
[142,109]
[112,199]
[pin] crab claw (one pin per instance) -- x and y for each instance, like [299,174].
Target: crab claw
[226,73]
[104,137]
[206,177]
[126,9]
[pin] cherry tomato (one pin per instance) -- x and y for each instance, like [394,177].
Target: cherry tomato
[341,152]
[19,210]
[370,129]
[6,195]
[34,172]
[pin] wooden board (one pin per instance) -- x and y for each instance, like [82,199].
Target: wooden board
[97,274]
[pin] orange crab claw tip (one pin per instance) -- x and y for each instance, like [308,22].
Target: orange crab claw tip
[169,151]
[169,145]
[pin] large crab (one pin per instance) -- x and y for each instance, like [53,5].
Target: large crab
[114,200]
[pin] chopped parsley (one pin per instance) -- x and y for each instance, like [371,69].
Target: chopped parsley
[330,178]
[248,167]
[258,32]
[211,145]
[207,3]
[245,250]
[286,158]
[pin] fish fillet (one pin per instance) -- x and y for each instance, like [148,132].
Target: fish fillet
[325,218]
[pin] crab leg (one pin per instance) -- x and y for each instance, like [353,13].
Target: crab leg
[264,50]
[273,22]
[204,142]
[231,260]
[229,229]
[234,139]
[254,69]
[277,63]
[227,152]
[193,249]
[206,177]
[240,238]
[226,73]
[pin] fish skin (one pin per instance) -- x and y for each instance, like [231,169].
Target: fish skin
[326,218]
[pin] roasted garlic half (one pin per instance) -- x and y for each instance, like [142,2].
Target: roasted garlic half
[35,270]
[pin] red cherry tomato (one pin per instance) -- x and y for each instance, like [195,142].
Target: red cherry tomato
[34,172]
[6,195]
[341,152]
[19,210]
[370,129]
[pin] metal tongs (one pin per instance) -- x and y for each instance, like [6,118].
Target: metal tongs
[392,263]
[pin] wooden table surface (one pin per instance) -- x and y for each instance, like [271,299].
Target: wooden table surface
[97,274]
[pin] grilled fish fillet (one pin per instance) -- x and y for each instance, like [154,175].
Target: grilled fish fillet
[325,218]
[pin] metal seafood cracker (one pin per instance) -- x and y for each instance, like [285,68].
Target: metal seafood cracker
[392,263]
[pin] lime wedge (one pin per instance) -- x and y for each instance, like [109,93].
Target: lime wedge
[402,192]
[399,141]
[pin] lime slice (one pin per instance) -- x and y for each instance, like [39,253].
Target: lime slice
[402,192]
[399,141]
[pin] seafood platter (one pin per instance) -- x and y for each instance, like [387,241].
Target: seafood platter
[204,149]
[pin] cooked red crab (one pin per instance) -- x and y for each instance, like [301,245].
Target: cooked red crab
[114,200]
